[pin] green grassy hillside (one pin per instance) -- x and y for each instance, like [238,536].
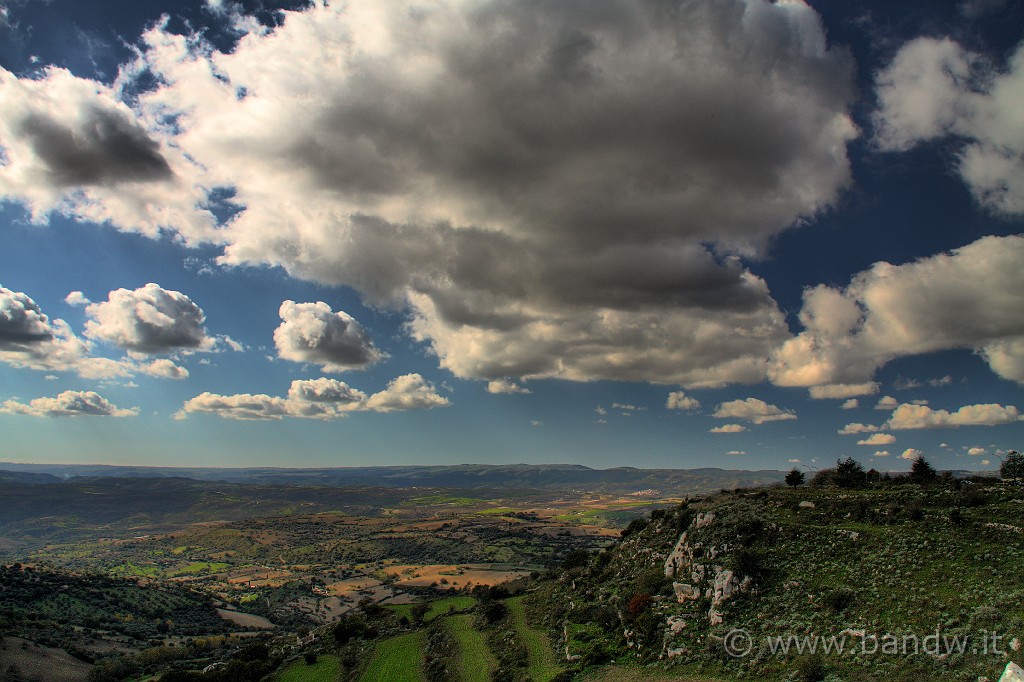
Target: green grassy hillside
[912,582]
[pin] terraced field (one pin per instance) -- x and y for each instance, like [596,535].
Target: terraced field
[543,665]
[397,659]
[476,662]
[324,670]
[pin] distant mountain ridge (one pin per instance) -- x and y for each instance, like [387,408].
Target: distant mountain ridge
[517,476]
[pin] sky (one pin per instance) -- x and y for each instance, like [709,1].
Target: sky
[727,233]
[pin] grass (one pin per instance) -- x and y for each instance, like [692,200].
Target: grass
[447,606]
[397,659]
[476,662]
[326,669]
[400,610]
[542,664]
[200,567]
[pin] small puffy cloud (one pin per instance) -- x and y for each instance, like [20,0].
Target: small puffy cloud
[505,386]
[678,400]
[728,428]
[626,406]
[878,439]
[839,391]
[736,452]
[986,462]
[29,338]
[968,298]
[76,299]
[536,423]
[908,416]
[936,89]
[857,427]
[600,410]
[321,398]
[69,404]
[881,453]
[753,410]
[22,321]
[976,451]
[312,332]
[407,392]
[242,406]
[325,390]
[163,368]
[793,461]
[148,320]
[850,404]
[911,454]
[887,403]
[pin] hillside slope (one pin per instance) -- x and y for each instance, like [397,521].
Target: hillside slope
[889,582]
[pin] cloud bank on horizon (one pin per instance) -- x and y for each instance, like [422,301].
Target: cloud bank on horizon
[576,191]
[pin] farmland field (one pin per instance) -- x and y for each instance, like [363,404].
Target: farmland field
[476,662]
[397,660]
[542,662]
[326,669]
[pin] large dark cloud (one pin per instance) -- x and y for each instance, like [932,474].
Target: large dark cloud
[550,189]
[105,147]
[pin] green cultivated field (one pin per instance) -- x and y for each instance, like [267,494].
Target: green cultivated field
[542,663]
[475,659]
[441,607]
[324,670]
[397,660]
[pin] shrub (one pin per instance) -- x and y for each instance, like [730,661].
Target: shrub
[810,669]
[635,526]
[839,599]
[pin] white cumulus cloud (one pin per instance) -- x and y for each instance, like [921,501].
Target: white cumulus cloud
[505,386]
[68,404]
[149,320]
[857,427]
[728,428]
[972,297]
[322,398]
[312,332]
[878,439]
[909,416]
[678,400]
[935,88]
[911,454]
[468,163]
[753,410]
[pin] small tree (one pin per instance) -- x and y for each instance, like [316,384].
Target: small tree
[795,477]
[922,473]
[1012,466]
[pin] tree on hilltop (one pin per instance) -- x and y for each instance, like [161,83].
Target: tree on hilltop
[921,472]
[850,473]
[795,477]
[1012,466]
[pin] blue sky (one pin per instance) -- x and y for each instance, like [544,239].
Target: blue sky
[734,233]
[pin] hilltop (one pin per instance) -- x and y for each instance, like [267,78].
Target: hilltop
[712,585]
